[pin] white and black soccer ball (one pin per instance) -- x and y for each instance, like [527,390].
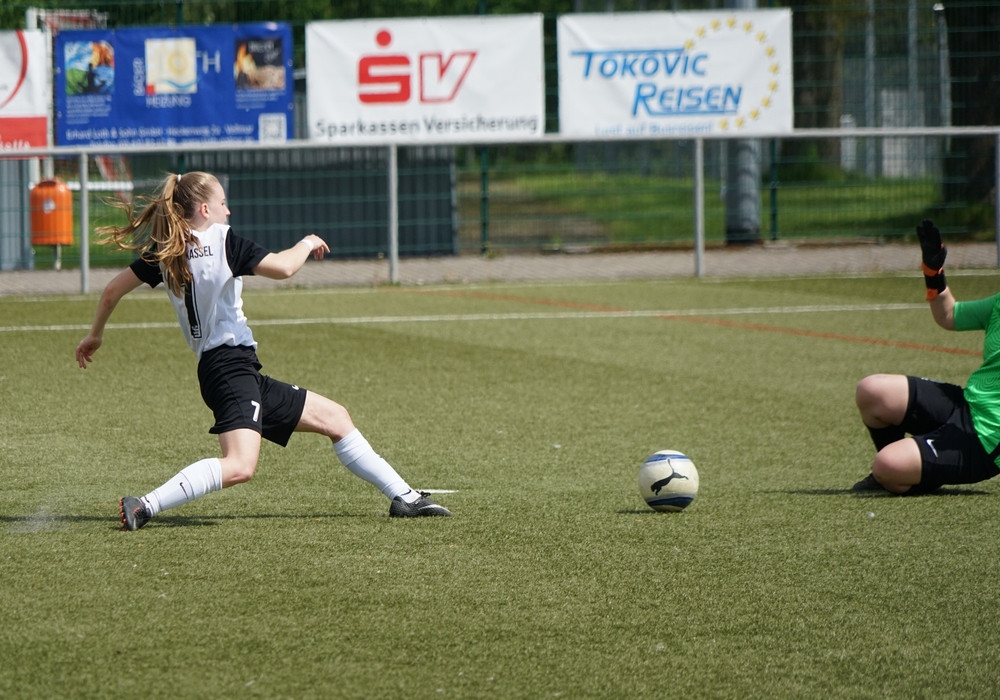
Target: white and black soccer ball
[668,481]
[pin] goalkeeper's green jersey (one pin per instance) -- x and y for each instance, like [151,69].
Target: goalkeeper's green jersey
[982,391]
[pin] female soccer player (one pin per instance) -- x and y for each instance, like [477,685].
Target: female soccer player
[955,432]
[182,239]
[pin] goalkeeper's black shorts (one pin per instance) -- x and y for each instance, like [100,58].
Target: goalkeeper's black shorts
[938,418]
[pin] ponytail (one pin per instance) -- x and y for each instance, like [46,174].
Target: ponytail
[160,232]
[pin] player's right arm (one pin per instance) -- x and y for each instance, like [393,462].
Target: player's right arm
[282,265]
[123,283]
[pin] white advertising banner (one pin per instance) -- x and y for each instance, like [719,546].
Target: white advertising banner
[458,79]
[24,90]
[656,74]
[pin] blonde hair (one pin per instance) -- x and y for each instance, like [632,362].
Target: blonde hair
[161,233]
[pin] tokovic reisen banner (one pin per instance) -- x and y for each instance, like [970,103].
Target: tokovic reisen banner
[642,75]
[458,79]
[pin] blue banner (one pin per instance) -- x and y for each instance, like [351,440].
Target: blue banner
[156,85]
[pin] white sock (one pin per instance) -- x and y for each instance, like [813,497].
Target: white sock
[358,456]
[191,482]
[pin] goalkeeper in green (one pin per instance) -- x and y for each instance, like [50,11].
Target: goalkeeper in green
[954,433]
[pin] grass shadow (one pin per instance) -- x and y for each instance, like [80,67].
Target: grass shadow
[37,522]
[646,511]
[940,493]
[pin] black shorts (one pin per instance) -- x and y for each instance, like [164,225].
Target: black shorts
[938,418]
[241,397]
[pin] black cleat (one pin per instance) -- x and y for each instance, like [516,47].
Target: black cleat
[421,507]
[868,484]
[133,512]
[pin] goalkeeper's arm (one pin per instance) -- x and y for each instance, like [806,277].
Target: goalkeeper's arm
[933,254]
[943,309]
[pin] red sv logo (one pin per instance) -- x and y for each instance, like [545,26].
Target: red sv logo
[388,78]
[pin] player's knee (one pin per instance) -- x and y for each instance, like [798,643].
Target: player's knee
[238,472]
[886,476]
[868,392]
[898,466]
[882,398]
[338,421]
[882,471]
[328,417]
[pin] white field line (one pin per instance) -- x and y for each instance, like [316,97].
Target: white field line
[147,294]
[464,318]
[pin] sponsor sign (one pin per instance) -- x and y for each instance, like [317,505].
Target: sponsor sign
[642,75]
[24,91]
[461,79]
[158,85]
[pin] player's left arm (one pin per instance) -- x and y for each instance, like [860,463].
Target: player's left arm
[123,283]
[943,309]
[282,265]
[933,254]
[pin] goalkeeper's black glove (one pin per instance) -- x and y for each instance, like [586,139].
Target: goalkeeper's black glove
[933,254]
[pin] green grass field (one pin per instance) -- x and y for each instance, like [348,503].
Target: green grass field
[536,405]
[564,208]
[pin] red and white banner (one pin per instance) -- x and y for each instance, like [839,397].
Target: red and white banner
[457,79]
[650,74]
[24,91]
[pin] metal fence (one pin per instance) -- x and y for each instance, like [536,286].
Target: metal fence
[554,208]
[872,151]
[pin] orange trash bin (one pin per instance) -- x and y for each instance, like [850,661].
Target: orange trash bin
[51,213]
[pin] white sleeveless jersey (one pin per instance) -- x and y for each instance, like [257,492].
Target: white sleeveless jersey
[211,311]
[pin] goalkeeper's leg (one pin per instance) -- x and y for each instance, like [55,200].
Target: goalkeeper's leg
[898,467]
[882,400]
[944,448]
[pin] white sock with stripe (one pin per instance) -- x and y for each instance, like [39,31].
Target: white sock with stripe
[191,482]
[358,456]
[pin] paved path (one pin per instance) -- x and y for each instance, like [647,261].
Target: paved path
[770,259]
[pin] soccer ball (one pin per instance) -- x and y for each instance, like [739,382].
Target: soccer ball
[668,481]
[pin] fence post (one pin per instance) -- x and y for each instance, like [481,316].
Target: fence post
[774,190]
[699,207]
[393,215]
[84,226]
[996,192]
[484,200]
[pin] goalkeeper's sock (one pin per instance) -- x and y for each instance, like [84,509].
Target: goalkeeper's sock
[885,436]
[934,281]
[358,456]
[191,482]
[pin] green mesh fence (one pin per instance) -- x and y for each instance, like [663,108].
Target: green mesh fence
[856,64]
